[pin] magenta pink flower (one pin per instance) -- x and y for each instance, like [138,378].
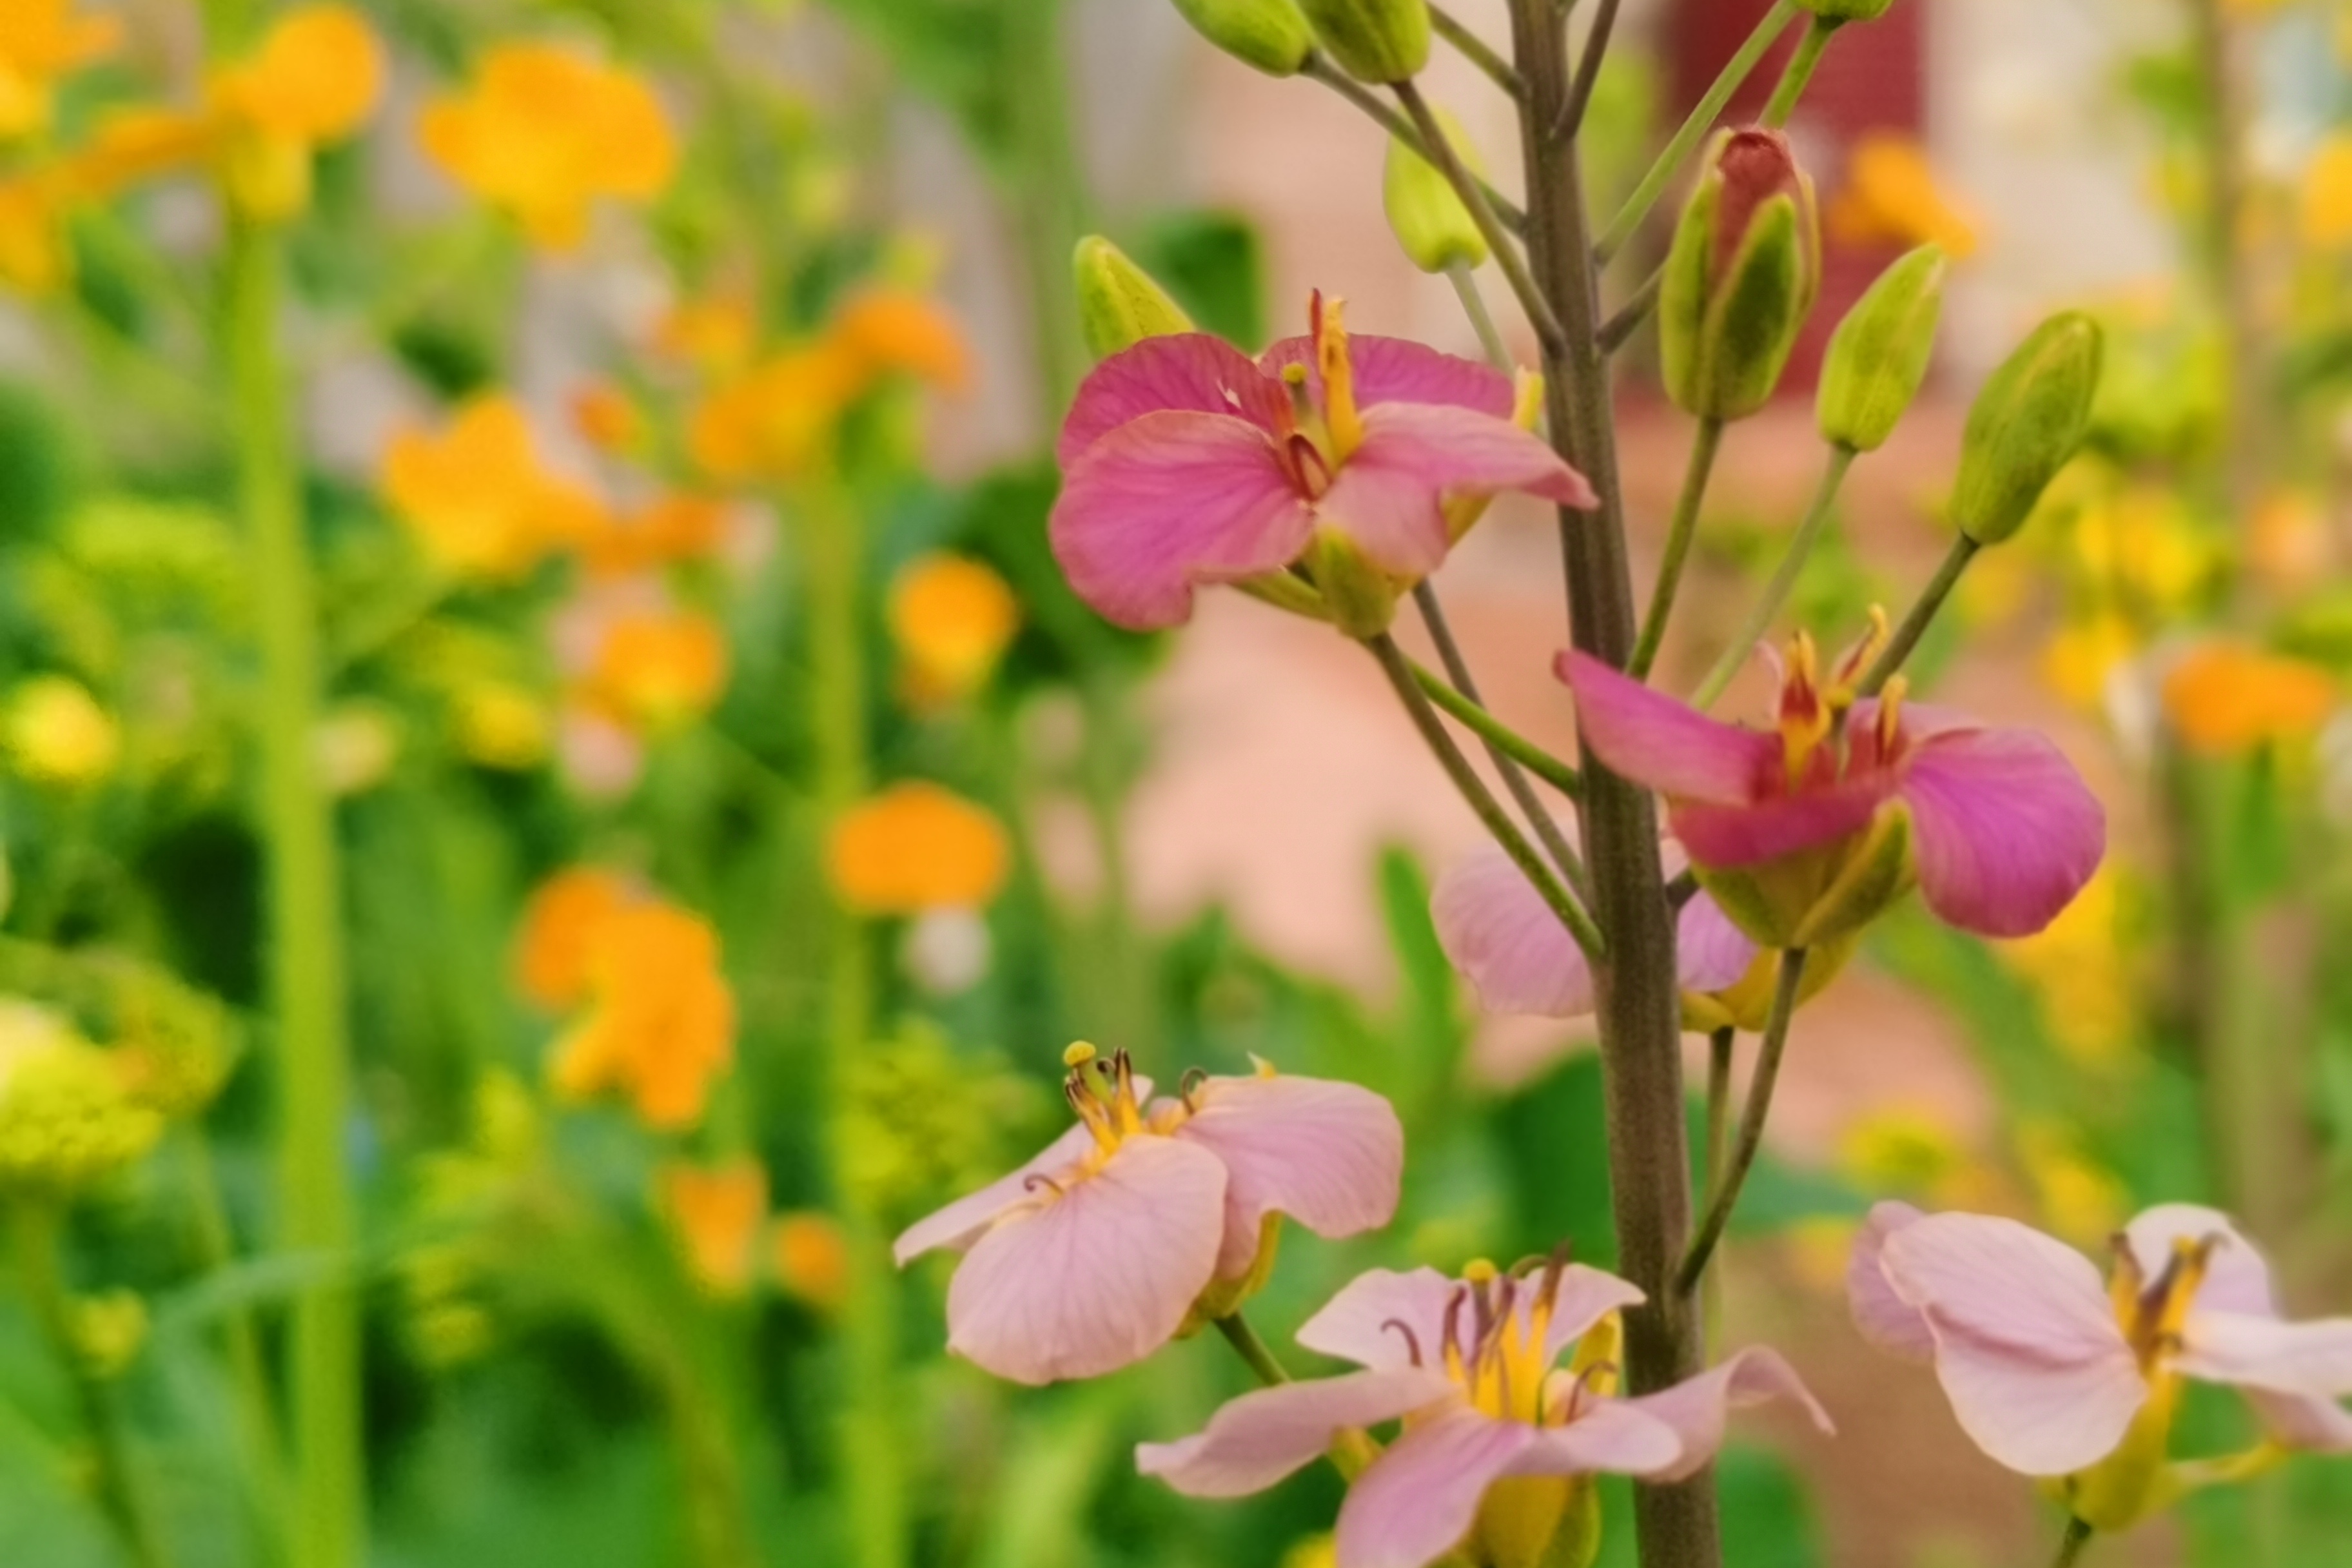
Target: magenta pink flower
[1804,833]
[1089,1257]
[2053,1370]
[1185,462]
[1468,1367]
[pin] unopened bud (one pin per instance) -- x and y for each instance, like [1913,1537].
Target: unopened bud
[1879,354]
[1378,41]
[1270,35]
[1743,272]
[1428,219]
[1119,303]
[2029,420]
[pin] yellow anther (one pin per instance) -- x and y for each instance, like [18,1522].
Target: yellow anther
[1261,1067]
[1890,713]
[1339,415]
[1479,1271]
[2181,1282]
[1078,1054]
[1527,397]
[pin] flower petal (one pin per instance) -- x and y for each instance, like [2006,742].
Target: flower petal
[1353,1324]
[1398,370]
[1698,1408]
[1733,836]
[1498,931]
[1607,1436]
[1168,502]
[2313,1358]
[1184,371]
[1663,744]
[1422,1495]
[2312,1426]
[1386,495]
[2237,1279]
[2026,1343]
[2004,828]
[1330,1155]
[1100,1278]
[1710,952]
[1886,1321]
[960,1222]
[1254,1441]
[1582,1299]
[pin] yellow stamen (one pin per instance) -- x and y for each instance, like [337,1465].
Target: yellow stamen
[1340,414]
[1890,713]
[1805,717]
[1527,398]
[1479,1271]
[1078,1054]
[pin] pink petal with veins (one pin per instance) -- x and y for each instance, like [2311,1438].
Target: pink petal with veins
[1664,744]
[1186,371]
[1330,1155]
[1398,370]
[1255,1440]
[2005,831]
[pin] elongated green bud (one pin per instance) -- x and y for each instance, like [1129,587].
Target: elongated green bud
[1428,218]
[1744,270]
[1848,10]
[1270,35]
[1879,354]
[1119,303]
[1378,41]
[2028,421]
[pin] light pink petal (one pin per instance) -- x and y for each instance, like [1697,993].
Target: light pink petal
[1169,501]
[1330,1155]
[1101,1277]
[1254,1441]
[1398,370]
[2005,830]
[1386,495]
[1187,372]
[1421,1497]
[2313,1358]
[1732,836]
[1584,1297]
[2236,1277]
[1663,744]
[1698,1408]
[2026,1343]
[960,1222]
[1353,1324]
[2312,1425]
[1498,931]
[1885,1319]
[1608,1436]
[1710,952]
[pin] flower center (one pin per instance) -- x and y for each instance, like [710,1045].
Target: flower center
[2151,1312]
[1493,1342]
[1328,320]
[1101,1090]
[1812,711]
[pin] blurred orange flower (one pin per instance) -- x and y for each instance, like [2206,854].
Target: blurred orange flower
[41,41]
[914,848]
[951,618]
[656,669]
[477,496]
[716,1211]
[883,331]
[544,130]
[33,255]
[769,422]
[660,1025]
[2224,697]
[606,419]
[1891,196]
[715,333]
[315,78]
[812,1260]
[673,528]
[560,927]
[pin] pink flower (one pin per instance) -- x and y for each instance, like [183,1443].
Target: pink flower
[1809,833]
[1468,1367]
[1090,1257]
[1185,462]
[2054,1371]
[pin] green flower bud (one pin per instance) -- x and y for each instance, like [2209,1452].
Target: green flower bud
[1270,35]
[1357,596]
[2028,421]
[1743,270]
[1822,895]
[1428,219]
[1378,41]
[1842,11]
[1879,354]
[1119,303]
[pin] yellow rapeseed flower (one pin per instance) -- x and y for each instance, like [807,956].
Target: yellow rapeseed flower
[32,256]
[2078,660]
[478,495]
[952,617]
[654,670]
[56,733]
[897,330]
[1910,1150]
[544,130]
[669,529]
[40,42]
[916,846]
[768,423]
[717,1211]
[316,78]
[1891,196]
[811,1259]
[2081,972]
[660,1025]
[2080,1200]
[2224,697]
[66,1115]
[499,724]
[561,926]
[2326,204]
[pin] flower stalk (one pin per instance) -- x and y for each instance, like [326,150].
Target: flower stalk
[2072,1545]
[1737,652]
[1704,446]
[1474,715]
[1727,1177]
[1798,73]
[1921,615]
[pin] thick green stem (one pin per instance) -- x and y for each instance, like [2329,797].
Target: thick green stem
[1799,72]
[1736,652]
[1694,128]
[1730,1177]
[307,987]
[833,548]
[1679,534]
[1638,1003]
[1048,197]
[1317,68]
[36,1226]
[2216,55]
[1921,615]
[1466,186]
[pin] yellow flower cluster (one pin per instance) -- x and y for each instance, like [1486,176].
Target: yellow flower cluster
[2081,972]
[41,42]
[67,1115]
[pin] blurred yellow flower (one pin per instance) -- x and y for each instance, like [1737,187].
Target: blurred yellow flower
[1313,1551]
[477,495]
[2077,662]
[560,927]
[41,41]
[660,1025]
[606,419]
[769,422]
[670,529]
[501,725]
[811,1259]
[2289,540]
[654,670]
[2080,1200]
[56,733]
[916,846]
[33,255]
[1891,196]
[717,1211]
[544,130]
[2224,697]
[2081,972]
[315,78]
[952,617]
[1906,1151]
[716,334]
[66,1115]
[2327,197]
[2144,540]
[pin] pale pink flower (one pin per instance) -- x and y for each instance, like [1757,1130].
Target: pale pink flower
[2048,1366]
[1089,1257]
[1468,1367]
